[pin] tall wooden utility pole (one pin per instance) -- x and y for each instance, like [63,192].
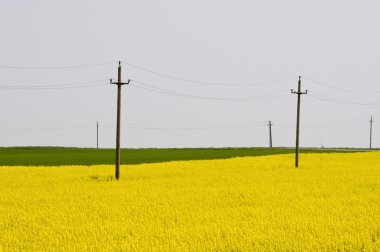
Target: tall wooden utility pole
[370,133]
[270,134]
[299,93]
[97,135]
[119,84]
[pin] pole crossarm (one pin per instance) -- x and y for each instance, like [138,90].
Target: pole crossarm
[121,83]
[300,93]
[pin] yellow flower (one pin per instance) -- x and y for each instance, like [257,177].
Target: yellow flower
[332,202]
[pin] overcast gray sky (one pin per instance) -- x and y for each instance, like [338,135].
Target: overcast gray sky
[238,46]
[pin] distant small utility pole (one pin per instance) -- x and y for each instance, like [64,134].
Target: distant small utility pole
[97,135]
[370,133]
[299,93]
[119,84]
[270,134]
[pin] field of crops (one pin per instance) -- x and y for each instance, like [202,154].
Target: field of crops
[51,156]
[332,202]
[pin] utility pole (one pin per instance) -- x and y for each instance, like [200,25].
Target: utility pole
[298,93]
[97,135]
[270,134]
[119,84]
[370,133]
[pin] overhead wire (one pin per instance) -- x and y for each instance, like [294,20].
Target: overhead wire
[53,88]
[148,87]
[47,124]
[91,124]
[155,127]
[195,128]
[319,96]
[205,82]
[340,89]
[56,67]
[135,127]
[208,98]
[152,88]
[45,128]
[344,121]
[322,126]
[56,86]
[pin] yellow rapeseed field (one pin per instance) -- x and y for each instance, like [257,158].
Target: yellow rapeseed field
[332,202]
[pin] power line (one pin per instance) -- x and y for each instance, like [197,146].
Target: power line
[151,88]
[334,100]
[194,96]
[257,123]
[138,128]
[43,129]
[56,86]
[56,67]
[197,128]
[341,89]
[144,127]
[206,82]
[178,127]
[167,127]
[59,124]
[323,126]
[52,88]
[209,98]
[340,122]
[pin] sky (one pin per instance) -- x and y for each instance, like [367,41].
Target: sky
[203,73]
